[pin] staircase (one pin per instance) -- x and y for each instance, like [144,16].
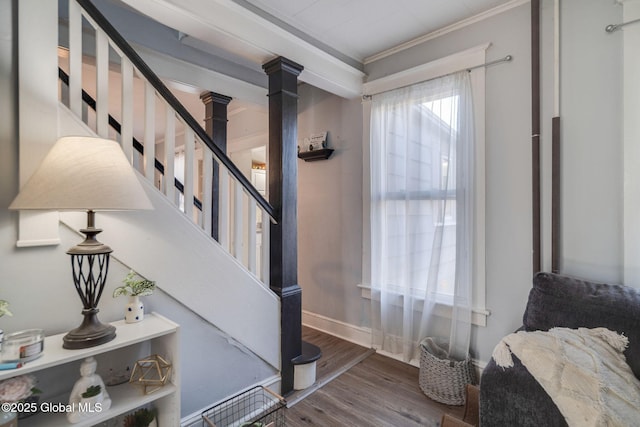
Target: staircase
[167,125]
[227,282]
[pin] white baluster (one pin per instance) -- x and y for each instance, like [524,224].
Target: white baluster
[170,153]
[189,151]
[224,203]
[102,83]
[75,58]
[149,131]
[264,245]
[207,188]
[237,220]
[251,244]
[126,121]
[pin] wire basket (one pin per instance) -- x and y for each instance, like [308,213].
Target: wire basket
[256,407]
[441,378]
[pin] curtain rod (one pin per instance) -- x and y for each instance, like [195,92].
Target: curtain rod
[614,27]
[469,69]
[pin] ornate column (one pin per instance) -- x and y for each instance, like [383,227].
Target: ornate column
[283,196]
[215,121]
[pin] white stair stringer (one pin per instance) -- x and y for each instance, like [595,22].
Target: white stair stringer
[166,246]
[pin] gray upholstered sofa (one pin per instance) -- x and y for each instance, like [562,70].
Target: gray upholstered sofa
[512,397]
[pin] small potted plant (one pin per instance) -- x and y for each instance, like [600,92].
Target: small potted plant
[91,396]
[141,418]
[91,391]
[134,287]
[4,310]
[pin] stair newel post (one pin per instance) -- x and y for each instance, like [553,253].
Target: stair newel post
[215,121]
[283,196]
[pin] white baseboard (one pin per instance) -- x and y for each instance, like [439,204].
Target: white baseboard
[361,336]
[355,334]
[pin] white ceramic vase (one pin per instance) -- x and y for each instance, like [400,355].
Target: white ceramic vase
[90,402]
[134,311]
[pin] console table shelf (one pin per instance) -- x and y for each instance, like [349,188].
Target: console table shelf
[154,335]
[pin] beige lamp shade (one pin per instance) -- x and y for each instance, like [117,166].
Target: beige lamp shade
[83,173]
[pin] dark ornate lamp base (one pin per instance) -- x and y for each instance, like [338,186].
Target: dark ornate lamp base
[90,333]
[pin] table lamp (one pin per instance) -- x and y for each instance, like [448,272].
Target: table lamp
[88,174]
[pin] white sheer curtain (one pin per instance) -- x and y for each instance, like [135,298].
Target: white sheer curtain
[422,156]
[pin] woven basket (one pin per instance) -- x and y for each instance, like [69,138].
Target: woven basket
[441,378]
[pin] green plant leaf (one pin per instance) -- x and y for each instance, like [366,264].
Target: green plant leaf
[134,287]
[4,308]
[91,391]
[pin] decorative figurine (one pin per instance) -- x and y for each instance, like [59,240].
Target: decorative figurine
[89,395]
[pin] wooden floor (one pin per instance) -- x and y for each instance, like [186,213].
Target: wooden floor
[377,391]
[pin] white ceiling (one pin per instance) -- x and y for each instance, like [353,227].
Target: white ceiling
[332,39]
[362,28]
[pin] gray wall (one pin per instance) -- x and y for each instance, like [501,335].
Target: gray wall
[37,281]
[330,208]
[591,113]
[330,192]
[212,364]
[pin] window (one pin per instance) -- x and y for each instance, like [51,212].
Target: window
[415,199]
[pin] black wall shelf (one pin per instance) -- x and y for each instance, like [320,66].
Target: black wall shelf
[312,156]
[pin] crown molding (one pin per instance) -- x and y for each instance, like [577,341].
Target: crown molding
[453,27]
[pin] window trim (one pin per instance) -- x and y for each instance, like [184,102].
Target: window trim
[459,61]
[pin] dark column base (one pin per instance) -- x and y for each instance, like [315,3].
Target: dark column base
[290,334]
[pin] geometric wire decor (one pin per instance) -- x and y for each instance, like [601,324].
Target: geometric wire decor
[151,373]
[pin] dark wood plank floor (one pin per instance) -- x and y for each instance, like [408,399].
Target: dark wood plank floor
[336,353]
[378,391]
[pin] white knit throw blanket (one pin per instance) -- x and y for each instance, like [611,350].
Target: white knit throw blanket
[584,371]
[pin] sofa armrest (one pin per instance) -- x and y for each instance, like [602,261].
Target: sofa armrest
[512,397]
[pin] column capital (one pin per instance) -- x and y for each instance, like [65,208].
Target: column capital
[208,97]
[282,64]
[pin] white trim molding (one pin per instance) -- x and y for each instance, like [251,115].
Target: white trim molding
[448,29]
[478,315]
[361,336]
[458,61]
[37,109]
[355,334]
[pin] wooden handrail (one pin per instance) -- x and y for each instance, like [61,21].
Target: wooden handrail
[165,93]
[115,125]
